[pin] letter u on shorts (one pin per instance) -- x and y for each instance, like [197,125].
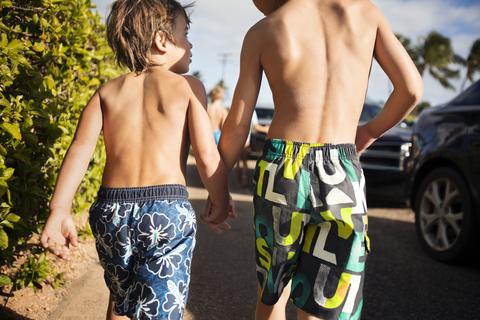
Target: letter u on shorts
[310,221]
[145,239]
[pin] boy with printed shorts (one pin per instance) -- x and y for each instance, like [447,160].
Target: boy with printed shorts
[310,216]
[142,221]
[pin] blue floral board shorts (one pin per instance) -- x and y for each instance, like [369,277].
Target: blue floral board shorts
[310,220]
[145,238]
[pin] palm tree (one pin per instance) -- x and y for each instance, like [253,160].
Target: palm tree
[472,63]
[434,54]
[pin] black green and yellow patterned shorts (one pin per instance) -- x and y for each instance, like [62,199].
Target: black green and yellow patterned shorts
[310,220]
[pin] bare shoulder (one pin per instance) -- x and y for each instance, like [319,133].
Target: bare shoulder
[193,82]
[194,85]
[195,90]
[112,85]
[372,12]
[261,31]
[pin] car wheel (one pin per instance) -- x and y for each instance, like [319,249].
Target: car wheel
[444,216]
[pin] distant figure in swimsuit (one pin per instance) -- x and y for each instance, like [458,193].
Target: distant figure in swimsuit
[310,215]
[216,112]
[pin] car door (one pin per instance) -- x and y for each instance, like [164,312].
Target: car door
[474,148]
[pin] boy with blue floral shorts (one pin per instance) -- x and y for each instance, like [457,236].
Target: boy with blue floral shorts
[143,224]
[145,238]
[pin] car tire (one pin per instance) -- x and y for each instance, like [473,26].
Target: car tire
[444,216]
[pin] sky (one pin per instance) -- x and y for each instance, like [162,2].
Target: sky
[218,28]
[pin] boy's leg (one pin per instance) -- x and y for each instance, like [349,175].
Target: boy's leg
[275,312]
[302,315]
[110,314]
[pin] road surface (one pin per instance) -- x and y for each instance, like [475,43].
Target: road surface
[401,283]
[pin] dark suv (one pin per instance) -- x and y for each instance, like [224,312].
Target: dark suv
[257,139]
[383,161]
[443,177]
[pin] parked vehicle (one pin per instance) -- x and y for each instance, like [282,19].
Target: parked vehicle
[383,161]
[257,139]
[443,177]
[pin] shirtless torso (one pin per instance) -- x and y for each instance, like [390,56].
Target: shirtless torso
[317,55]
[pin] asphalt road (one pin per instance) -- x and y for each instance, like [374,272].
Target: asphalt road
[401,283]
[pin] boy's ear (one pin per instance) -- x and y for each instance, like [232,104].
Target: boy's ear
[160,42]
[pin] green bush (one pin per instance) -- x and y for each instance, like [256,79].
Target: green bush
[53,56]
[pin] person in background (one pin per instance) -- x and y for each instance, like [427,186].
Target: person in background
[216,112]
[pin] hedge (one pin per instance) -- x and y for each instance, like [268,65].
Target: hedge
[53,56]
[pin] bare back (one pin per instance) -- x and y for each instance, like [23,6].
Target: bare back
[145,129]
[217,115]
[317,57]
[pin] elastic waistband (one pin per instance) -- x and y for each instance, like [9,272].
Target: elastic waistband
[140,194]
[296,149]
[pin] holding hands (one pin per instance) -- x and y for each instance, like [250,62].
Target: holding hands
[215,216]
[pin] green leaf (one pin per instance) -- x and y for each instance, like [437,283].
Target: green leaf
[4,39]
[7,173]
[3,151]
[3,239]
[39,46]
[44,23]
[15,44]
[3,27]
[4,102]
[93,82]
[6,3]
[49,82]
[22,158]
[13,129]
[12,217]
[4,280]
[19,59]
[7,224]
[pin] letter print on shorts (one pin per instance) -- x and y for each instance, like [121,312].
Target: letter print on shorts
[310,223]
[146,249]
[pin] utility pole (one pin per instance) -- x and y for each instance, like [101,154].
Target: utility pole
[224,60]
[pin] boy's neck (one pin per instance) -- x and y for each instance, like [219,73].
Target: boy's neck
[268,6]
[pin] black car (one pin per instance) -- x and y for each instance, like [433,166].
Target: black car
[257,139]
[443,177]
[383,161]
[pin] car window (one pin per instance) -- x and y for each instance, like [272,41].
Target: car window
[469,97]
[264,113]
[369,111]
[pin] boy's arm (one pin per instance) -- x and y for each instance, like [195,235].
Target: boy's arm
[59,230]
[407,85]
[237,124]
[210,166]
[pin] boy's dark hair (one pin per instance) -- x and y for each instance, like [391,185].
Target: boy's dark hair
[133,24]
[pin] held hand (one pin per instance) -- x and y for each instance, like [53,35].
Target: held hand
[363,139]
[211,212]
[58,233]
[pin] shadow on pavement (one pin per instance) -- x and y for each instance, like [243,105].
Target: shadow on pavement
[403,283]
[9,314]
